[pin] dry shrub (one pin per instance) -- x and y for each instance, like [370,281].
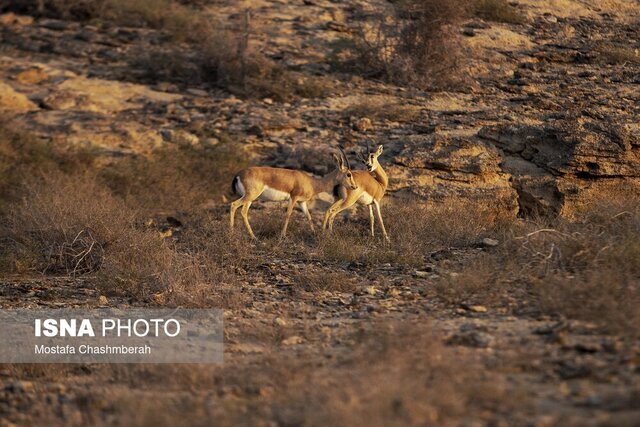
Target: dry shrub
[176,176]
[23,155]
[72,224]
[64,224]
[498,11]
[587,268]
[418,45]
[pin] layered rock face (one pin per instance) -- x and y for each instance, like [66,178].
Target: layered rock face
[549,123]
[559,168]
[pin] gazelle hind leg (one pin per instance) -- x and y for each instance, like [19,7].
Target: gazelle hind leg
[234,207]
[305,209]
[245,217]
[292,203]
[371,221]
[384,231]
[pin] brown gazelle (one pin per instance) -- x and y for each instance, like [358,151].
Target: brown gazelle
[371,186]
[278,184]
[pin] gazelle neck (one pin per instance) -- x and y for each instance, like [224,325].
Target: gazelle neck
[326,183]
[381,176]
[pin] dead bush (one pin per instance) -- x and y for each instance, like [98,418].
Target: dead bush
[418,44]
[22,155]
[498,11]
[586,268]
[64,224]
[176,177]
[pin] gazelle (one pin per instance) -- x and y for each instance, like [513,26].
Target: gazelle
[371,186]
[278,184]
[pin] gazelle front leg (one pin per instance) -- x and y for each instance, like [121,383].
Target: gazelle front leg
[292,204]
[384,231]
[351,199]
[371,221]
[329,213]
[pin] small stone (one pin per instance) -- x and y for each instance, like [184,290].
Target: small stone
[422,274]
[102,300]
[279,321]
[31,76]
[293,340]
[478,308]
[489,243]
[268,101]
[393,292]
[197,92]
[469,32]
[371,290]
[362,125]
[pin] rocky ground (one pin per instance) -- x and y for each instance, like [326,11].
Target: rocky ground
[549,121]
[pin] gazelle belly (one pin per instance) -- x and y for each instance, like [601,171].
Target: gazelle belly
[274,195]
[365,199]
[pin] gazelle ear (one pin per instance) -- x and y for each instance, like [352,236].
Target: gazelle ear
[379,150]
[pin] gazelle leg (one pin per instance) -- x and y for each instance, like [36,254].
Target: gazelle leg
[371,220]
[245,217]
[305,209]
[329,213]
[234,207]
[384,231]
[292,203]
[346,204]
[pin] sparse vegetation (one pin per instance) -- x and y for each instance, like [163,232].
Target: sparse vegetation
[614,53]
[583,269]
[418,44]
[381,108]
[499,11]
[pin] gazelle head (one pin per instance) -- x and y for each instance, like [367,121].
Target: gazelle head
[344,177]
[371,160]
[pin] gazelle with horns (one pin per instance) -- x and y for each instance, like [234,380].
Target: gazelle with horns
[278,184]
[371,186]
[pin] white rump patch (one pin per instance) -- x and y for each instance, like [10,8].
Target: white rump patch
[240,187]
[274,195]
[365,199]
